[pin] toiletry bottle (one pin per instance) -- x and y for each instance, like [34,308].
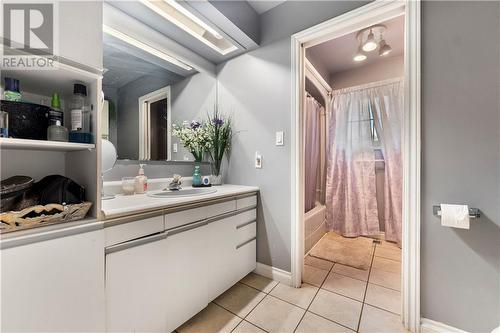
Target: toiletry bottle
[11,92]
[197,176]
[55,113]
[4,124]
[77,108]
[57,132]
[141,181]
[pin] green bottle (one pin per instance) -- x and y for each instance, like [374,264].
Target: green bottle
[197,176]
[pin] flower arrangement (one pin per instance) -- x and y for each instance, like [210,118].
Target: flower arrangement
[220,134]
[195,136]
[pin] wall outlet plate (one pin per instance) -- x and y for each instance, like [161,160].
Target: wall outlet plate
[174,148]
[258,160]
[280,138]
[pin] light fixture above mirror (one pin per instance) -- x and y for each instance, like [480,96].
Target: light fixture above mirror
[177,14]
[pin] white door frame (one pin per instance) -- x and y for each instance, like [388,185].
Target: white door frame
[144,121]
[354,20]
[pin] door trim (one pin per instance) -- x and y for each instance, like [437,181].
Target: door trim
[354,20]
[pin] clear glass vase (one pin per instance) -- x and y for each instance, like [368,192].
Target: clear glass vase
[216,176]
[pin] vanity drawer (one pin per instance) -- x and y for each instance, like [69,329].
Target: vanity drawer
[134,229]
[246,232]
[176,219]
[246,202]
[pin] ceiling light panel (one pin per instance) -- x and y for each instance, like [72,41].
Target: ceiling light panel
[145,47]
[184,19]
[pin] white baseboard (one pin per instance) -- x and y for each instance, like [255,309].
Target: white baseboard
[274,273]
[431,326]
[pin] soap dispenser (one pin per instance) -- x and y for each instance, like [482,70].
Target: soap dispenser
[141,181]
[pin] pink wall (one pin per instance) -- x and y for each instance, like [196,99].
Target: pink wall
[381,70]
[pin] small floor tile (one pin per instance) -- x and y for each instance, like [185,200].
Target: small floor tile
[312,323]
[345,285]
[246,327]
[386,279]
[387,265]
[274,315]
[212,319]
[355,273]
[301,297]
[240,299]
[383,298]
[375,320]
[259,282]
[388,253]
[318,263]
[313,275]
[337,308]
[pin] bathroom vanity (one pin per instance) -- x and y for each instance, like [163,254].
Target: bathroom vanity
[149,267]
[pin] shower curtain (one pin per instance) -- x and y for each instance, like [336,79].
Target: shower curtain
[350,187]
[350,191]
[387,104]
[311,150]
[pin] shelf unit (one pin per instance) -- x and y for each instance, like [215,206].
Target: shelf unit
[25,144]
[38,158]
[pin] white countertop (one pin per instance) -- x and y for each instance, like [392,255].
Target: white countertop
[137,203]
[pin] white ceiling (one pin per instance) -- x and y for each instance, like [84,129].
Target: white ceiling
[336,55]
[262,6]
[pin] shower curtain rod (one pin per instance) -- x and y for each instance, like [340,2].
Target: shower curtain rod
[316,78]
[368,85]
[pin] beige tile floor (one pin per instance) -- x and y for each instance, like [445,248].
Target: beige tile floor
[333,298]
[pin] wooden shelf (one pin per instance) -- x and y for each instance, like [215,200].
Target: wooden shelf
[24,144]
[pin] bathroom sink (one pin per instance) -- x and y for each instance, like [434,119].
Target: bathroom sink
[188,192]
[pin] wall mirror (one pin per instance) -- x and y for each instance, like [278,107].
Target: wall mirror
[145,92]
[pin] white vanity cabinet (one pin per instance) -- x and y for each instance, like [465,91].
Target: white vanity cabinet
[157,282]
[55,285]
[188,260]
[136,285]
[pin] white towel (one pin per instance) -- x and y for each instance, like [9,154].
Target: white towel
[455,216]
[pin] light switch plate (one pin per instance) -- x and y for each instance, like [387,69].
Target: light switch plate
[175,148]
[279,138]
[258,160]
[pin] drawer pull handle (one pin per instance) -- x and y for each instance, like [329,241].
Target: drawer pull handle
[245,243]
[135,242]
[245,224]
[191,226]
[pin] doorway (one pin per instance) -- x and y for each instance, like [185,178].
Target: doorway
[352,22]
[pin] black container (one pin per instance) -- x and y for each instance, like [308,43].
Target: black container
[27,120]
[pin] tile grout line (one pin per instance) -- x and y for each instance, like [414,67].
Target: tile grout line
[249,312]
[366,288]
[312,300]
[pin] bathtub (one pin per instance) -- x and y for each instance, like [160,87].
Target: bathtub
[314,226]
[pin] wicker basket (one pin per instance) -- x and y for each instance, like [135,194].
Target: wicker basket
[39,216]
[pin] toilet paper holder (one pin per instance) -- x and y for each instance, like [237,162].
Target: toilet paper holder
[474,213]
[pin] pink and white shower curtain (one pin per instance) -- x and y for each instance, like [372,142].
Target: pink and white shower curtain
[351,185]
[311,150]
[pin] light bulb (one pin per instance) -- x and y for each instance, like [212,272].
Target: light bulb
[370,43]
[359,56]
[385,49]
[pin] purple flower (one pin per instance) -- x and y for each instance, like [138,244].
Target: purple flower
[218,121]
[194,124]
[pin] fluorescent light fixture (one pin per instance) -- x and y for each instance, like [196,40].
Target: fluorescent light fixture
[370,43]
[137,43]
[187,21]
[194,18]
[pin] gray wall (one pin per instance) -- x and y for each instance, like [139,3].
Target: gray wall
[461,162]
[255,88]
[128,111]
[192,99]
